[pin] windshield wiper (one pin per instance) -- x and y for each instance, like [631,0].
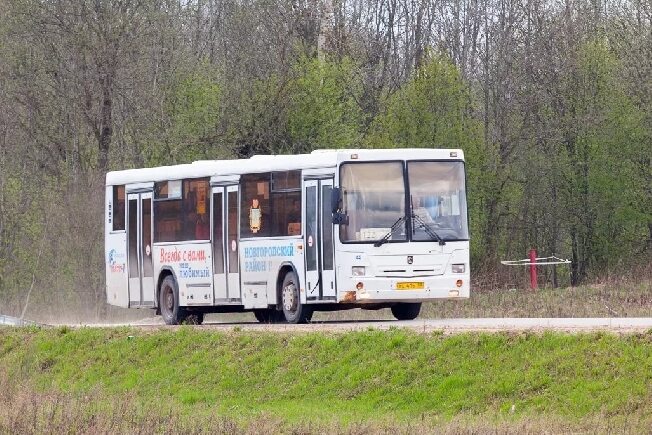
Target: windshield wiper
[386,237]
[427,229]
[425,226]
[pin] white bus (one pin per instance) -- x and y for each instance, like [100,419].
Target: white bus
[286,235]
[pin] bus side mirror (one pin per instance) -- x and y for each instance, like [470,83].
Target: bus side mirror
[336,199]
[340,218]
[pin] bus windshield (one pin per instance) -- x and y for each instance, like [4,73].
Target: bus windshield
[438,200]
[374,199]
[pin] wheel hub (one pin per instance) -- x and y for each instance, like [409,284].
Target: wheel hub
[169,300]
[289,298]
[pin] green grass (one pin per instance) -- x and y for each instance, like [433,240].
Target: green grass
[390,377]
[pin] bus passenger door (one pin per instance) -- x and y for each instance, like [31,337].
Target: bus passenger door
[233,242]
[326,229]
[139,252]
[320,273]
[219,261]
[311,242]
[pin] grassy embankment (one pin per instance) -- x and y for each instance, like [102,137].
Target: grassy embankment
[122,380]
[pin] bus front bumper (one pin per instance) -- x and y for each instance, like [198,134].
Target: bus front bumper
[375,290]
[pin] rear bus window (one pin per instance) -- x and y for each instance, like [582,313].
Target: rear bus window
[118,208]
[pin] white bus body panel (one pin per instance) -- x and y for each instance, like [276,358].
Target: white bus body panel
[261,261]
[192,267]
[115,243]
[389,264]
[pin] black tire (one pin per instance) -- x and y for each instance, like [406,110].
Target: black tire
[406,311]
[293,310]
[268,315]
[171,312]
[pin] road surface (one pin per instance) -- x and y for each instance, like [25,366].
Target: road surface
[621,325]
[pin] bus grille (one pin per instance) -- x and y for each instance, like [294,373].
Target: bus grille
[437,270]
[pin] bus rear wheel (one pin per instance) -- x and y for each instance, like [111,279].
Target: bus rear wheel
[293,309]
[172,313]
[406,311]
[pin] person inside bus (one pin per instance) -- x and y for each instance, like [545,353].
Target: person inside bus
[119,217]
[294,219]
[202,230]
[294,215]
[420,211]
[255,216]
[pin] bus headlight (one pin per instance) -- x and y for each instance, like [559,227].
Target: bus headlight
[459,268]
[358,271]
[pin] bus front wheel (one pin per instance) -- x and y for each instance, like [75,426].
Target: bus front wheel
[293,309]
[406,311]
[172,313]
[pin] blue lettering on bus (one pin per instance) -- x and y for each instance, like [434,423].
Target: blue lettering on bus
[186,271]
[254,256]
[255,266]
[269,251]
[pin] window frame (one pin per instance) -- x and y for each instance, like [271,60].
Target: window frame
[466,193]
[272,192]
[241,214]
[406,205]
[181,216]
[287,189]
[114,204]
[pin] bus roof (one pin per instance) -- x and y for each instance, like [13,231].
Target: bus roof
[271,163]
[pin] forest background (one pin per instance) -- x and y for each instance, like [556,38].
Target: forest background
[551,101]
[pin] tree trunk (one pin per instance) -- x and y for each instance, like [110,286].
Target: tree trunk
[105,131]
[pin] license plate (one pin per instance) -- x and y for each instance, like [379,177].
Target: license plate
[410,285]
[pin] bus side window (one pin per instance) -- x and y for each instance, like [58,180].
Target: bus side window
[270,208]
[202,208]
[286,202]
[118,208]
[288,207]
[181,210]
[255,205]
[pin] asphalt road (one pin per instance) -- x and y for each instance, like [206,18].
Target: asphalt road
[622,325]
